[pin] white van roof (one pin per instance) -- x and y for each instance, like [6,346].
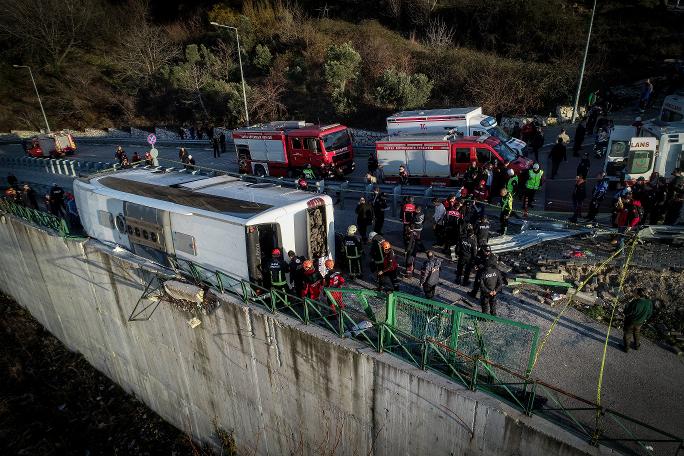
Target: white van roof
[438,112]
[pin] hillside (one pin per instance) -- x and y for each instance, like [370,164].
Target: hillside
[106,63]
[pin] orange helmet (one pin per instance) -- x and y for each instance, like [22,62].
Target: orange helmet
[329,264]
[385,245]
[308,264]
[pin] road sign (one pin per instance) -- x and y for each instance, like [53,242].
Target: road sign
[151,139]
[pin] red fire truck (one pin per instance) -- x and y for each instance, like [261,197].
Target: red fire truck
[286,148]
[53,145]
[442,160]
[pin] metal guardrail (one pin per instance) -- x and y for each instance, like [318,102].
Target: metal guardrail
[65,167]
[462,344]
[37,217]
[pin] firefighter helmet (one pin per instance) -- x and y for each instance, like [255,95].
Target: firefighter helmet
[386,245]
[275,252]
[510,172]
[307,264]
[329,264]
[483,183]
[372,234]
[351,231]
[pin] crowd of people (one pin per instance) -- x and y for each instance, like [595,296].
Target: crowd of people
[56,201]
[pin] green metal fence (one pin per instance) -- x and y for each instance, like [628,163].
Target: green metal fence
[40,218]
[482,352]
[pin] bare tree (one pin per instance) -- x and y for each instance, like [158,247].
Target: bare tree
[266,99]
[144,49]
[439,34]
[51,29]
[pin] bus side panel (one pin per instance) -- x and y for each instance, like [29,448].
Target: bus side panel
[218,244]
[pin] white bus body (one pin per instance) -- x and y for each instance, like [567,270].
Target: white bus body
[221,223]
[465,122]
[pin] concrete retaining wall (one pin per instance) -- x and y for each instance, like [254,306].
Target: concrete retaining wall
[282,387]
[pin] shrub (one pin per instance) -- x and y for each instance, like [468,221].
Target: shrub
[262,57]
[397,89]
[341,66]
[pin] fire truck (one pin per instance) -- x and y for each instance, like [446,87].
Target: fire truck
[462,121]
[53,145]
[442,160]
[287,148]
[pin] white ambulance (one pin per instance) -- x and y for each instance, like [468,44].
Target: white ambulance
[462,121]
[672,109]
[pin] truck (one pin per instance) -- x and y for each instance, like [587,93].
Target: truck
[53,145]
[286,148]
[672,109]
[659,149]
[462,121]
[441,160]
[221,223]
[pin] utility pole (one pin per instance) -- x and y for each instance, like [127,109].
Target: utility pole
[584,62]
[37,94]
[242,76]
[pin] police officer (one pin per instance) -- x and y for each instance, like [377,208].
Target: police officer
[296,269]
[512,184]
[467,249]
[534,183]
[353,252]
[480,264]
[506,210]
[482,231]
[491,283]
[277,268]
[376,256]
[454,220]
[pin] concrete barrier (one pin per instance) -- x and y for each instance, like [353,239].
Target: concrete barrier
[282,387]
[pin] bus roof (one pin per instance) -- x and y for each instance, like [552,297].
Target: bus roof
[225,195]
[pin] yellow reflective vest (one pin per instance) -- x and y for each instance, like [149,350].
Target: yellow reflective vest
[534,179]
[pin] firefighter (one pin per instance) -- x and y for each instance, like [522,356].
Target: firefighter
[376,256]
[467,249]
[429,277]
[481,262]
[277,268]
[482,231]
[407,214]
[470,176]
[534,183]
[311,279]
[506,210]
[512,184]
[353,252]
[333,279]
[481,195]
[296,269]
[389,267]
[491,282]
[413,246]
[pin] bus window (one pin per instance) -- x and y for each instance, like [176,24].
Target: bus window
[640,162]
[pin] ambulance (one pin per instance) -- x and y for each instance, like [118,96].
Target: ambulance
[460,121]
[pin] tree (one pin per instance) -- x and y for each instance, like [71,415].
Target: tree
[340,67]
[262,57]
[51,30]
[439,34]
[397,89]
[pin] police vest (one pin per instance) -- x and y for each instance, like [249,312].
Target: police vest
[466,246]
[512,184]
[534,180]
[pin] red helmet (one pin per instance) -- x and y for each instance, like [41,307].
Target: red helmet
[483,182]
[275,252]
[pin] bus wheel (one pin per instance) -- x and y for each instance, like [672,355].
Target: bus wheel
[259,171]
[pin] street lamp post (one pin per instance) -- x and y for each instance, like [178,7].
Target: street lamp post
[37,94]
[584,62]
[242,76]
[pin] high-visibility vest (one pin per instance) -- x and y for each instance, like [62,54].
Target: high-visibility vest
[512,184]
[534,180]
[309,173]
[507,203]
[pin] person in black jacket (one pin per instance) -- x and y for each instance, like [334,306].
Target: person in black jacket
[467,249]
[296,269]
[413,246]
[28,197]
[376,255]
[482,230]
[277,268]
[491,283]
[558,154]
[353,252]
[379,207]
[429,276]
[580,133]
[579,194]
[481,262]
[537,142]
[364,218]
[584,166]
